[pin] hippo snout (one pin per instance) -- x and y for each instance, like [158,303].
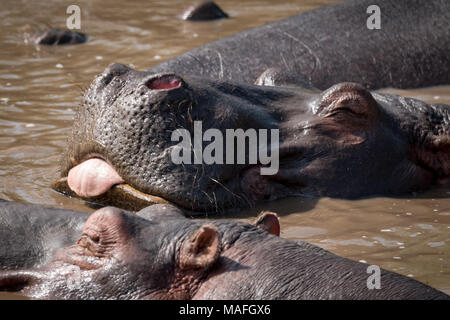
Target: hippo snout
[140,138]
[126,110]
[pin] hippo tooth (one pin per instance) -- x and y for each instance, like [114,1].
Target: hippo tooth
[92,178]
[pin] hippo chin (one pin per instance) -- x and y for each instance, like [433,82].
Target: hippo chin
[343,142]
[160,254]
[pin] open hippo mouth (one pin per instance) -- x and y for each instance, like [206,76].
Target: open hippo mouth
[96,180]
[343,142]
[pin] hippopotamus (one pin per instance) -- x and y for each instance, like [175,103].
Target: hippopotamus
[333,44]
[343,142]
[203,11]
[54,36]
[159,254]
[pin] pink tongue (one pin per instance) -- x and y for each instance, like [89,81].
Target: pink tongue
[92,178]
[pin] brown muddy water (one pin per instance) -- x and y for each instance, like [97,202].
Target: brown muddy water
[40,89]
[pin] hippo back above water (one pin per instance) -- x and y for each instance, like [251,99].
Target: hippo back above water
[333,44]
[342,142]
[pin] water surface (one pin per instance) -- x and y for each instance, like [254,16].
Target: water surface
[40,90]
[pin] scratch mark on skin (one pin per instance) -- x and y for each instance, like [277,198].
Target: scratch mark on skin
[311,52]
[221,65]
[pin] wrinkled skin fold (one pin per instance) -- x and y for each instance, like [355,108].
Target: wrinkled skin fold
[342,142]
[160,254]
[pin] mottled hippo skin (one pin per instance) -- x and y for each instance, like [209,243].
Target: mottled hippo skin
[343,142]
[159,254]
[333,44]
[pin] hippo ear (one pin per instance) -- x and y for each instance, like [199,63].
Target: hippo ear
[269,222]
[201,250]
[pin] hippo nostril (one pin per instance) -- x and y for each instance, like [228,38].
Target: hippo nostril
[116,69]
[113,70]
[164,82]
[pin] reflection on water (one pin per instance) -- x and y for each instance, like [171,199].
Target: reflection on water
[40,90]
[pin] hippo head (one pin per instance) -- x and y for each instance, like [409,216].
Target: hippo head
[156,254]
[123,256]
[342,142]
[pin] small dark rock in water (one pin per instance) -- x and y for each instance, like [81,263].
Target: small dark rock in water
[203,11]
[59,37]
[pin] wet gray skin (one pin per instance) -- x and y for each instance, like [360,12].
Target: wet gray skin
[343,142]
[159,254]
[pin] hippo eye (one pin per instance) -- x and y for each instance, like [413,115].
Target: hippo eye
[164,82]
[95,238]
[352,106]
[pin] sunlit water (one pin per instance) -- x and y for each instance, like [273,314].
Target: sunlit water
[40,89]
